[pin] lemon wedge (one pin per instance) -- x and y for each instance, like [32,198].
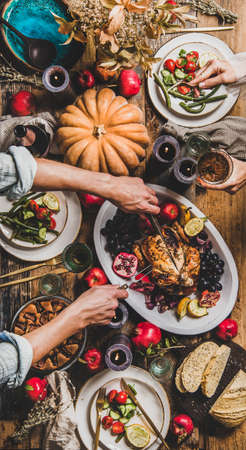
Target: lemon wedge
[182,307]
[194,310]
[184,215]
[205,58]
[51,201]
[138,435]
[194,226]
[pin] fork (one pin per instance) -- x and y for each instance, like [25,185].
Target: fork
[99,407]
[51,262]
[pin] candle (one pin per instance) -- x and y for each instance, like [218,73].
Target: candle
[182,174]
[118,355]
[166,149]
[120,318]
[56,80]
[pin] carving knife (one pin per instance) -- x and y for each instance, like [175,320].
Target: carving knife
[157,228]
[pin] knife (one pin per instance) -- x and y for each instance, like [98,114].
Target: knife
[157,228]
[151,423]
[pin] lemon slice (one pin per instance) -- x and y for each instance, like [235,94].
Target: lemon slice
[51,201]
[138,435]
[194,226]
[205,58]
[194,310]
[182,307]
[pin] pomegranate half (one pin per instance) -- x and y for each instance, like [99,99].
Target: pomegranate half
[125,265]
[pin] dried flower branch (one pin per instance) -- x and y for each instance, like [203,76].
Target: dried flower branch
[211,8]
[10,75]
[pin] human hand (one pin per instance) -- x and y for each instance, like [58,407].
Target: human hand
[236,181]
[213,73]
[131,195]
[95,306]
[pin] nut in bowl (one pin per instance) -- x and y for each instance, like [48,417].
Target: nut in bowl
[36,313]
[215,167]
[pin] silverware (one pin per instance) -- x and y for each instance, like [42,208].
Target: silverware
[58,271]
[157,227]
[199,29]
[99,407]
[51,262]
[126,388]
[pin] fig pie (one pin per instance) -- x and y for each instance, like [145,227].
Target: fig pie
[39,313]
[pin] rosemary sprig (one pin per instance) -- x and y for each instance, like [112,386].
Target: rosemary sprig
[211,8]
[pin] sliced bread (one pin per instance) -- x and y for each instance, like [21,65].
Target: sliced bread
[178,379]
[214,371]
[195,365]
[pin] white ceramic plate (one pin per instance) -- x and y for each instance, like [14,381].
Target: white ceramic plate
[175,102]
[187,41]
[146,396]
[60,218]
[150,393]
[68,235]
[168,320]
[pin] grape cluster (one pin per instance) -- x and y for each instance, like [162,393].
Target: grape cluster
[211,270]
[121,232]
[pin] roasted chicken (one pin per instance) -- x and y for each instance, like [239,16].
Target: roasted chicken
[175,263]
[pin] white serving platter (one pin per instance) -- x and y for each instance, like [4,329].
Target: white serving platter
[168,320]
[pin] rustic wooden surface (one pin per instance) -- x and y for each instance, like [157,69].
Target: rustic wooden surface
[228,214]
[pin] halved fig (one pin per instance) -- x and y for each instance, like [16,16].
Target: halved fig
[125,265]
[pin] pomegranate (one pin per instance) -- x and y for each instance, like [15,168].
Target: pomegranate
[85,80]
[182,426]
[89,200]
[22,104]
[129,82]
[125,265]
[146,334]
[227,329]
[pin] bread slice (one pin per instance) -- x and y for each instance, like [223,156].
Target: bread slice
[195,365]
[230,408]
[214,371]
[178,379]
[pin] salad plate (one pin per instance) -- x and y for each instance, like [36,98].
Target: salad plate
[202,43]
[60,218]
[189,47]
[55,248]
[168,320]
[150,394]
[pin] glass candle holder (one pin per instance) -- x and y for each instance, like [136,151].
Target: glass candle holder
[56,79]
[77,257]
[197,145]
[166,149]
[161,368]
[118,355]
[50,284]
[120,318]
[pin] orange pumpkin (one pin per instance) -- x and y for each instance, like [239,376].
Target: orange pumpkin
[103,132]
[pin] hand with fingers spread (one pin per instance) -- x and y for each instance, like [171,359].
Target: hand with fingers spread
[236,181]
[213,73]
[132,195]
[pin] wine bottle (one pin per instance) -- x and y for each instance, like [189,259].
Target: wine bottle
[33,138]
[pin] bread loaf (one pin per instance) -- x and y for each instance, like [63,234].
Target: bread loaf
[214,371]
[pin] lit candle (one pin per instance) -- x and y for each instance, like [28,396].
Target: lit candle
[118,355]
[120,318]
[166,149]
[182,174]
[56,80]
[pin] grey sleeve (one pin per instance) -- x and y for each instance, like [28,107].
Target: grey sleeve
[15,359]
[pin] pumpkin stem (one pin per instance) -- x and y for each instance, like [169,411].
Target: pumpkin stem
[98,131]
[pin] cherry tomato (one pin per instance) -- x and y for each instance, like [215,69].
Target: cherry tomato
[190,66]
[33,205]
[169,64]
[121,397]
[183,89]
[118,428]
[190,77]
[181,62]
[111,395]
[42,213]
[192,56]
[107,421]
[52,224]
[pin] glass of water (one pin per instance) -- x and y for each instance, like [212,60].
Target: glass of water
[161,368]
[197,145]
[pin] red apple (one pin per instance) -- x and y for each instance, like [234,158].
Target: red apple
[182,426]
[85,80]
[129,83]
[89,200]
[227,329]
[169,212]
[95,277]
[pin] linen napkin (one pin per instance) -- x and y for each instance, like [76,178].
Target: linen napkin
[228,134]
[60,431]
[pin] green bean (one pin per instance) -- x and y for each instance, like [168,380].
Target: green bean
[22,225]
[182,96]
[164,90]
[208,100]
[193,110]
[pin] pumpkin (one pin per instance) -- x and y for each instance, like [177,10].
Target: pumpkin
[102,132]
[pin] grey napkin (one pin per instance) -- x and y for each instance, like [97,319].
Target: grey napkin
[60,431]
[229,134]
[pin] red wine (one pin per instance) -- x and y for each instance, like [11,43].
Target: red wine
[187,168]
[118,357]
[167,151]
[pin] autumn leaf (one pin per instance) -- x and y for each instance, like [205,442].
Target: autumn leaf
[105,37]
[116,19]
[137,7]
[70,28]
[89,55]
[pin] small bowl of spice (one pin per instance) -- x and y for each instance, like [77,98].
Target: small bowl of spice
[215,167]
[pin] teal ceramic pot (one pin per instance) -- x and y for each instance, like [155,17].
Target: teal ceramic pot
[33,18]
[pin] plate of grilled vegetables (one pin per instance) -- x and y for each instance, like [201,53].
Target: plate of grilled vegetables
[184,278]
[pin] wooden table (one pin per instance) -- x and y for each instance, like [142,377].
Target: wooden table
[228,214]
